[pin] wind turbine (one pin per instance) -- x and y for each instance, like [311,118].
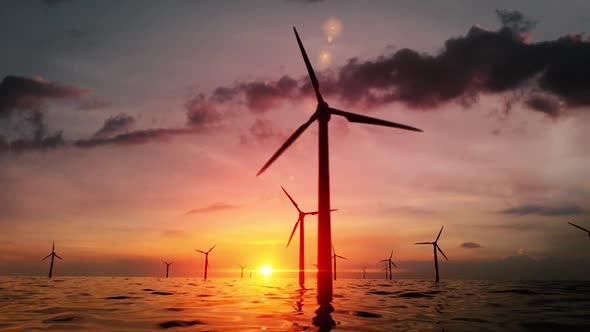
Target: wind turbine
[435,245]
[334,257]
[365,272]
[206,259]
[322,115]
[242,271]
[580,227]
[250,273]
[389,262]
[385,271]
[300,223]
[167,267]
[53,254]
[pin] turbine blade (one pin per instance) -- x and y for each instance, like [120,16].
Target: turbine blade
[332,210]
[580,227]
[211,248]
[293,232]
[394,264]
[58,257]
[201,251]
[383,260]
[341,257]
[287,143]
[312,213]
[439,234]
[165,262]
[46,257]
[423,243]
[440,250]
[53,246]
[291,198]
[312,77]
[391,255]
[369,120]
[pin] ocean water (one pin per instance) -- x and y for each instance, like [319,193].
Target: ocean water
[190,304]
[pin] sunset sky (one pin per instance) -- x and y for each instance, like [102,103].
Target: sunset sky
[131,132]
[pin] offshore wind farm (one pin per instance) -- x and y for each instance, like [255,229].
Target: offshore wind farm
[136,132]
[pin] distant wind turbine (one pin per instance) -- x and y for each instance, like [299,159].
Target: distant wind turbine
[435,245]
[365,272]
[300,223]
[322,115]
[334,256]
[206,259]
[386,270]
[250,273]
[167,267]
[580,227]
[242,271]
[53,254]
[390,262]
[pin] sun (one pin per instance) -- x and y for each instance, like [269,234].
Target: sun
[266,270]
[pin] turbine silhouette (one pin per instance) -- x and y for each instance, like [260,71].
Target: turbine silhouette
[365,272]
[389,262]
[435,245]
[53,255]
[386,270]
[322,115]
[580,227]
[167,267]
[242,271]
[206,259]
[300,223]
[334,256]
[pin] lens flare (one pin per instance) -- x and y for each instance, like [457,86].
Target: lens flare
[332,28]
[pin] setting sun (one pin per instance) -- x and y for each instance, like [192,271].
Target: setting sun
[266,270]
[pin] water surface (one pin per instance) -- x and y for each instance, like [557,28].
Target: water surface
[191,304]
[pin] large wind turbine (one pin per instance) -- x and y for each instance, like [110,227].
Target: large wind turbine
[206,259]
[53,255]
[389,262]
[322,115]
[580,227]
[167,267]
[435,245]
[300,223]
[334,256]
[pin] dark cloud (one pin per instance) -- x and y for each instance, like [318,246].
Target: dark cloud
[22,93]
[115,125]
[262,131]
[541,210]
[501,62]
[201,113]
[545,104]
[213,208]
[470,245]
[136,137]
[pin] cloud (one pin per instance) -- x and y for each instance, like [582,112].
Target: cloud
[470,245]
[480,62]
[541,210]
[116,124]
[201,113]
[262,131]
[136,137]
[22,93]
[216,207]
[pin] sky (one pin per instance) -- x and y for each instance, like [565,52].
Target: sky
[131,133]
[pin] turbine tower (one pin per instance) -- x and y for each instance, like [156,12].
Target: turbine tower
[390,263]
[322,115]
[53,255]
[365,272]
[300,223]
[206,259]
[167,267]
[580,227]
[436,247]
[334,256]
[242,271]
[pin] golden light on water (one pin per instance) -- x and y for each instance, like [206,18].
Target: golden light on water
[332,28]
